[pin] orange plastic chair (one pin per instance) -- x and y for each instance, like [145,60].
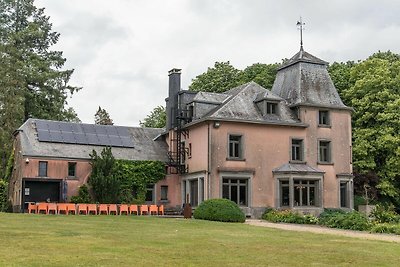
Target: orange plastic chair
[103,208]
[144,209]
[52,207]
[62,208]
[71,207]
[42,207]
[92,208]
[82,208]
[133,209]
[153,210]
[161,210]
[123,208]
[32,207]
[112,208]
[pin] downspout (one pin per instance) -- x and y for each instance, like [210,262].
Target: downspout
[208,161]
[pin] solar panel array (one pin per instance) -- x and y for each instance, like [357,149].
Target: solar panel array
[83,134]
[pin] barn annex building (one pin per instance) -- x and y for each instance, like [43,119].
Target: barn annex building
[288,146]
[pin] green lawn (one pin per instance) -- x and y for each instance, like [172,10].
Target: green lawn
[49,240]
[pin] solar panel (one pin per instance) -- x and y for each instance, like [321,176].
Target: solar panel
[80,138]
[65,127]
[101,130]
[126,142]
[88,128]
[92,139]
[53,126]
[40,125]
[44,136]
[115,140]
[56,136]
[122,131]
[68,137]
[104,139]
[112,130]
[76,128]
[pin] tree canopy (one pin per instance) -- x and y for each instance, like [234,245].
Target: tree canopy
[156,119]
[102,117]
[32,81]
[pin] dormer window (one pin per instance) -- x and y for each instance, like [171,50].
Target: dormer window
[272,108]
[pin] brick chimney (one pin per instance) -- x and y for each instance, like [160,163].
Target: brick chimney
[172,100]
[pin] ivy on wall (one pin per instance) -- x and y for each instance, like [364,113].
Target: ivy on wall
[122,181]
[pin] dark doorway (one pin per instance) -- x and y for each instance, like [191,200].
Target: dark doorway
[41,191]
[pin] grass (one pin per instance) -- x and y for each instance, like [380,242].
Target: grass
[48,240]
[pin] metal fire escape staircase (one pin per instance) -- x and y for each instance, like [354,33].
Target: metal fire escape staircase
[177,158]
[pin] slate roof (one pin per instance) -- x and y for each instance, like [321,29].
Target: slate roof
[240,106]
[297,168]
[304,80]
[145,144]
[210,97]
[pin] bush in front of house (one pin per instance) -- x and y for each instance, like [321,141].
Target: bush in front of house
[83,195]
[3,195]
[353,220]
[386,228]
[223,210]
[288,216]
[385,214]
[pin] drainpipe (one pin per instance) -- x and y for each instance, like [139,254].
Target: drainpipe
[208,161]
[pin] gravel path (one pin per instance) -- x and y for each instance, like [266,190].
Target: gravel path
[324,230]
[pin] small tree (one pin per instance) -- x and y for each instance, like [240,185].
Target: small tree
[104,183]
[156,119]
[102,117]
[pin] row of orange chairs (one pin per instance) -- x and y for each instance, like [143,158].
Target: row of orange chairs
[71,208]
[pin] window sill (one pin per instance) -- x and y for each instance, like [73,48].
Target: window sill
[72,178]
[298,161]
[236,159]
[324,126]
[164,201]
[324,163]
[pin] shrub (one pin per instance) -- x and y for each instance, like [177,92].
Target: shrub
[386,228]
[4,206]
[345,220]
[83,195]
[288,216]
[222,210]
[385,214]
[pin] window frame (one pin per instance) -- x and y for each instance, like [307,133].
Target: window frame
[74,166]
[324,119]
[328,146]
[271,108]
[164,192]
[300,147]
[239,148]
[228,182]
[40,169]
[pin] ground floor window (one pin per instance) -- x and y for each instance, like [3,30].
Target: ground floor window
[164,192]
[345,194]
[193,191]
[299,193]
[236,190]
[150,193]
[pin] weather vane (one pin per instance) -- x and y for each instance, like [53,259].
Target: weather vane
[300,24]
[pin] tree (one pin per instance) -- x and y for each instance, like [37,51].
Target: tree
[32,82]
[263,74]
[374,93]
[104,183]
[156,119]
[340,75]
[222,77]
[102,117]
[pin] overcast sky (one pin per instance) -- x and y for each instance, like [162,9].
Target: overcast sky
[121,50]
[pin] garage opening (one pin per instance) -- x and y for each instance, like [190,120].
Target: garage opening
[41,191]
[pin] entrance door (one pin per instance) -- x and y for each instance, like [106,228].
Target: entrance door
[41,191]
[194,193]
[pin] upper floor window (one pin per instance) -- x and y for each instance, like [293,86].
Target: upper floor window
[272,108]
[235,146]
[323,118]
[71,169]
[43,168]
[190,150]
[325,151]
[297,150]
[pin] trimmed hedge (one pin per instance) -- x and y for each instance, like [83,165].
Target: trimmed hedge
[222,210]
[288,216]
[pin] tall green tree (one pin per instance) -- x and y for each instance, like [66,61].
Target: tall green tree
[220,78]
[374,93]
[263,74]
[102,117]
[32,81]
[156,119]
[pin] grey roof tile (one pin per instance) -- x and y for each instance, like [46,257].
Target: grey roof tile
[296,168]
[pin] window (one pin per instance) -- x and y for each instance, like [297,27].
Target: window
[235,190]
[272,108]
[71,169]
[324,151]
[235,143]
[323,118]
[190,150]
[150,193]
[164,192]
[305,192]
[345,194]
[43,168]
[284,192]
[297,150]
